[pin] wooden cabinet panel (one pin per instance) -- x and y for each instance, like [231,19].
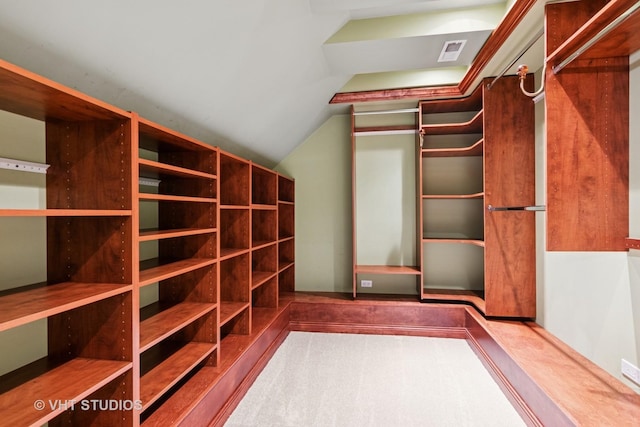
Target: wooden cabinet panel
[509,180]
[587,110]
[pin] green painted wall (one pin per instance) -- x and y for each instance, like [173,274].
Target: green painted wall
[321,167]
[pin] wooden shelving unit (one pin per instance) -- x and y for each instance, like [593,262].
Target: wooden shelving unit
[595,158]
[382,131]
[235,245]
[475,152]
[286,234]
[178,332]
[158,251]
[87,228]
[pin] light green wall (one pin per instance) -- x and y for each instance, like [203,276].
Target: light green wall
[591,300]
[23,258]
[321,167]
[385,200]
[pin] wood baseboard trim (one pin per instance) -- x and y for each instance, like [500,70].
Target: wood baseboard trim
[233,401]
[503,382]
[350,328]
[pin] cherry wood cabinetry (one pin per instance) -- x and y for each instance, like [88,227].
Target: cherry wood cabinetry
[235,245]
[587,110]
[385,247]
[178,219]
[161,257]
[478,152]
[286,234]
[86,299]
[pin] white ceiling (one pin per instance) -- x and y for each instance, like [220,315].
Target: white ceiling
[254,77]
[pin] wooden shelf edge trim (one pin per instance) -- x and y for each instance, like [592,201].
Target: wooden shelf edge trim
[147,127]
[262,278]
[454,196]
[167,271]
[386,269]
[284,265]
[39,81]
[171,198]
[230,309]
[173,170]
[15,409]
[454,296]
[228,253]
[146,235]
[472,150]
[605,16]
[463,241]
[198,352]
[264,207]
[63,212]
[235,207]
[632,243]
[42,298]
[190,312]
[472,126]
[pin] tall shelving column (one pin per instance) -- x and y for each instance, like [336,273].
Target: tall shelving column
[235,245]
[264,244]
[178,244]
[87,296]
[286,234]
[479,152]
[383,145]
[452,193]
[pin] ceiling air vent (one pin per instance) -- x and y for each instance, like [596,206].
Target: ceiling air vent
[451,50]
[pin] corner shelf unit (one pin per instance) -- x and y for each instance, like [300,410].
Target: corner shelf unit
[452,197]
[468,162]
[382,140]
[152,257]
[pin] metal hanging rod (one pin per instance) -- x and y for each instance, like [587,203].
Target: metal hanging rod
[398,111]
[492,208]
[517,58]
[606,30]
[386,132]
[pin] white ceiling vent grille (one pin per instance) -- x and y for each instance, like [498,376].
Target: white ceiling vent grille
[451,50]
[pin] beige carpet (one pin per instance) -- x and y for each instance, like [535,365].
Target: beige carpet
[318,379]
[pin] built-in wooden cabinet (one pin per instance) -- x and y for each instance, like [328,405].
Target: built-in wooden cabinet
[587,98]
[478,153]
[155,256]
[286,234]
[235,245]
[178,247]
[451,177]
[84,303]
[469,155]
[385,215]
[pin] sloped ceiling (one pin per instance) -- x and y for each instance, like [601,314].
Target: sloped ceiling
[253,77]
